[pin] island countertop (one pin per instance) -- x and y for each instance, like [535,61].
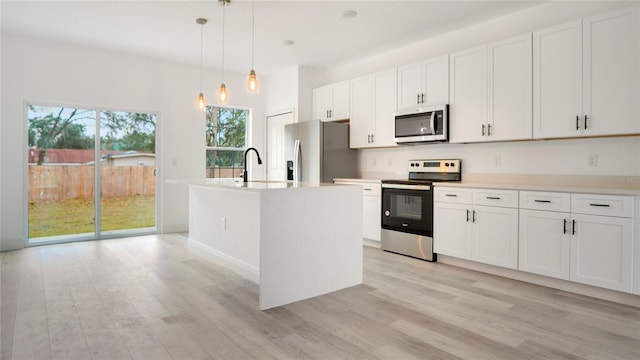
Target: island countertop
[256,185]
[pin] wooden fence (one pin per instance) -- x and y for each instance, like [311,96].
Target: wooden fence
[59,182]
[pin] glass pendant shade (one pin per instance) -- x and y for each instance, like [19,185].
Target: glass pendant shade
[202,102]
[223,94]
[253,83]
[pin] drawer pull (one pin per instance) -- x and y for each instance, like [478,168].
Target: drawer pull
[453,195]
[600,205]
[493,197]
[367,189]
[542,201]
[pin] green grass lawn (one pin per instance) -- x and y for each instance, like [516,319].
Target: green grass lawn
[75,216]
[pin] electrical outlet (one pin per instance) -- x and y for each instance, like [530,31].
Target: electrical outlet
[592,160]
[223,223]
[497,161]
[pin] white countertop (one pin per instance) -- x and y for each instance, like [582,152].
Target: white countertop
[237,184]
[364,181]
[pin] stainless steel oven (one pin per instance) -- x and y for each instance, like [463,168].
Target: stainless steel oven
[407,207]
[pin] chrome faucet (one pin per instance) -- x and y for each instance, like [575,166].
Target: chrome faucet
[245,175]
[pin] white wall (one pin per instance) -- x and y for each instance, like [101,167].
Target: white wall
[616,156]
[41,71]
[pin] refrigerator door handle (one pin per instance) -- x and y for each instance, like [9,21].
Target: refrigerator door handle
[296,160]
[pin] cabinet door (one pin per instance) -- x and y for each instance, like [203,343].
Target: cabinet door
[371,217]
[468,95]
[495,236]
[544,243]
[557,81]
[611,62]
[510,113]
[410,88]
[601,251]
[340,101]
[385,105]
[321,103]
[452,229]
[360,124]
[436,81]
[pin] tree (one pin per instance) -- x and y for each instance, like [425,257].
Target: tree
[128,131]
[59,128]
[225,128]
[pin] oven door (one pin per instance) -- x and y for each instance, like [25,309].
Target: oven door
[407,208]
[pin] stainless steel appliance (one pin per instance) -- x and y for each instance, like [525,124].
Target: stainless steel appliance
[407,207]
[319,152]
[420,125]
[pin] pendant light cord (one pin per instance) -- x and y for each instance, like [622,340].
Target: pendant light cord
[223,6]
[253,32]
[201,56]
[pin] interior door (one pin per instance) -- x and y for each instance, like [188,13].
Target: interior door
[276,162]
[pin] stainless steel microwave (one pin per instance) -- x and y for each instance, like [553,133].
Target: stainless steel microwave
[421,125]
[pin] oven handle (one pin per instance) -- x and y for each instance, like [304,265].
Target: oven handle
[407,187]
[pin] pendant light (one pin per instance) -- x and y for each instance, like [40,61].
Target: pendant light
[202,102]
[252,80]
[223,93]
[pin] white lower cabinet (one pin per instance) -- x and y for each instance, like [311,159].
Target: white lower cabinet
[601,251]
[371,207]
[584,238]
[544,243]
[487,234]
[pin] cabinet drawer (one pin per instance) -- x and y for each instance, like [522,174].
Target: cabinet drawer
[493,197]
[608,205]
[368,188]
[453,195]
[550,201]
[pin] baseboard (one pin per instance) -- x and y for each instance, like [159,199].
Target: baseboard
[174,228]
[239,267]
[564,285]
[371,243]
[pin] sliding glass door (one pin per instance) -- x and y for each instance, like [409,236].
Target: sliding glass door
[91,174]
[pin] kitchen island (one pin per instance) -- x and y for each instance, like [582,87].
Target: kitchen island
[295,240]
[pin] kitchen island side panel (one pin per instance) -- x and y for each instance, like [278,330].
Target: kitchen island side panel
[311,243]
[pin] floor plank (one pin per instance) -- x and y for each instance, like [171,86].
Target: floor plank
[151,297]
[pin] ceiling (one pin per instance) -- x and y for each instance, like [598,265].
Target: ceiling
[168,30]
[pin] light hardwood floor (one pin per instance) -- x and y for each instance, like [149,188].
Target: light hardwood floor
[152,298]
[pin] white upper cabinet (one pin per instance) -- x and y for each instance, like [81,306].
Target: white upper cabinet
[510,89]
[373,103]
[331,102]
[587,77]
[491,92]
[424,83]
[468,95]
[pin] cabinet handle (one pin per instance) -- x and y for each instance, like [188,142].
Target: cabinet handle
[585,121]
[493,197]
[564,227]
[453,195]
[474,216]
[489,130]
[482,129]
[467,215]
[368,139]
[417,98]
[542,201]
[573,227]
[423,98]
[577,122]
[330,113]
[373,138]
[600,205]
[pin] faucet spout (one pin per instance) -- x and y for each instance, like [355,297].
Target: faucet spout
[245,176]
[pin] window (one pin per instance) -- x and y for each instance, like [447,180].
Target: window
[226,140]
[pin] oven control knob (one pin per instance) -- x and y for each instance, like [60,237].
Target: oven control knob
[387,213]
[446,164]
[412,164]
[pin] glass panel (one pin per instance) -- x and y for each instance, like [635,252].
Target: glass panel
[127,170]
[224,163]
[407,207]
[61,171]
[226,127]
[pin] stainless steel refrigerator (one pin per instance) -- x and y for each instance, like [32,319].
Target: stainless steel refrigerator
[318,152]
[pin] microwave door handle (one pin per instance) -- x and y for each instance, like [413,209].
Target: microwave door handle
[433,122]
